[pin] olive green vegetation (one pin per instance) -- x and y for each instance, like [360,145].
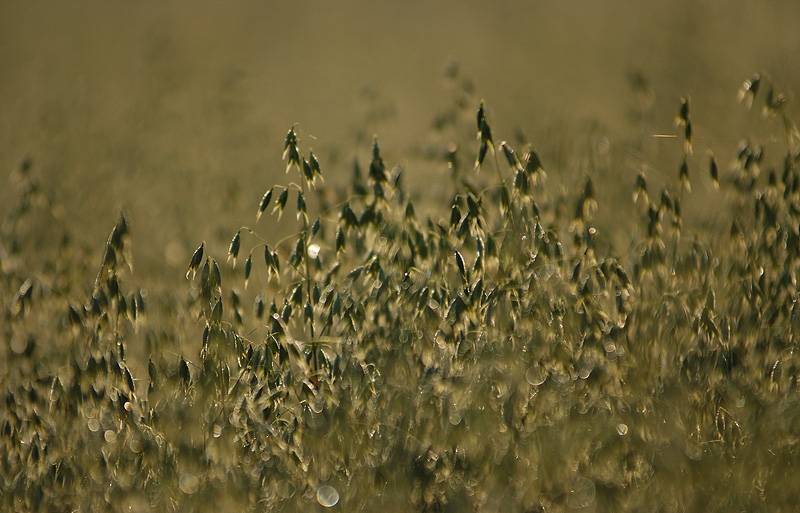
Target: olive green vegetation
[548,339]
[589,306]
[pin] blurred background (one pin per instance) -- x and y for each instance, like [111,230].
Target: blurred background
[177,112]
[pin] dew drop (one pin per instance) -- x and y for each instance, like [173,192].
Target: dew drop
[136,446]
[313,250]
[581,493]
[110,436]
[188,483]
[535,375]
[327,496]
[622,429]
[317,404]
[94,425]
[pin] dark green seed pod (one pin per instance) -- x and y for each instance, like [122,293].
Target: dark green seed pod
[340,240]
[258,307]
[683,180]
[511,157]
[183,371]
[297,295]
[280,205]
[264,204]
[481,155]
[462,268]
[455,216]
[248,266]
[233,249]
[216,313]
[308,173]
[713,170]
[301,206]
[314,165]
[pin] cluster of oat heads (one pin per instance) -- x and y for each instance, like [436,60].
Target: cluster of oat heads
[773,106]
[501,348]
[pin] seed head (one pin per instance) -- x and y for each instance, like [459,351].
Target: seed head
[197,257]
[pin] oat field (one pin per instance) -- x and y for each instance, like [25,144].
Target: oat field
[479,303]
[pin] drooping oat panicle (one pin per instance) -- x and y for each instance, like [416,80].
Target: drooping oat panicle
[280,204]
[197,257]
[653,222]
[120,240]
[455,215]
[236,308]
[484,135]
[269,259]
[290,152]
[308,174]
[511,156]
[683,114]
[462,268]
[666,204]
[687,138]
[677,219]
[298,256]
[773,103]
[484,132]
[315,227]
[749,89]
[584,207]
[296,297]
[340,240]
[233,249]
[791,132]
[641,188]
[479,250]
[409,215]
[521,182]
[308,313]
[481,155]
[301,207]
[473,207]
[347,218]
[683,178]
[264,203]
[533,166]
[185,375]
[248,267]
[216,275]
[377,168]
[713,170]
[315,168]
[276,263]
[258,306]
[216,313]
